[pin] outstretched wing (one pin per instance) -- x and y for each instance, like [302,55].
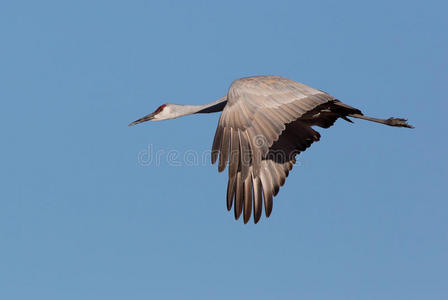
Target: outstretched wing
[275,167]
[257,113]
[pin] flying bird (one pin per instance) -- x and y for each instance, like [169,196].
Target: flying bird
[265,122]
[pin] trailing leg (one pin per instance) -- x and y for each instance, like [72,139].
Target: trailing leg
[391,121]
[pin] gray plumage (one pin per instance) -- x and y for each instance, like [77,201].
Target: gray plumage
[265,122]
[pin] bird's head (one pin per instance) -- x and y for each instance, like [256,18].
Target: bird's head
[163,112]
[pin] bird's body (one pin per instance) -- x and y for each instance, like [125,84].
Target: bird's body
[265,122]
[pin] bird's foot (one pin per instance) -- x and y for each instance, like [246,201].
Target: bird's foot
[398,122]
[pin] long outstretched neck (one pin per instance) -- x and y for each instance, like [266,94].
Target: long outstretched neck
[178,110]
[185,110]
[172,111]
[216,106]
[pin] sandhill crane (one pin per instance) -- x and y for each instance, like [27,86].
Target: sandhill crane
[265,122]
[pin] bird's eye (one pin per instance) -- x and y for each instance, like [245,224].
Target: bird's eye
[161,107]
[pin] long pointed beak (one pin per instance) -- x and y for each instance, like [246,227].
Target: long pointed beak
[144,119]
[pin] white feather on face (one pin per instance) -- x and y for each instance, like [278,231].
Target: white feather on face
[161,113]
[165,112]
[172,111]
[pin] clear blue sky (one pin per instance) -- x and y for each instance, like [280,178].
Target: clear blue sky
[363,215]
